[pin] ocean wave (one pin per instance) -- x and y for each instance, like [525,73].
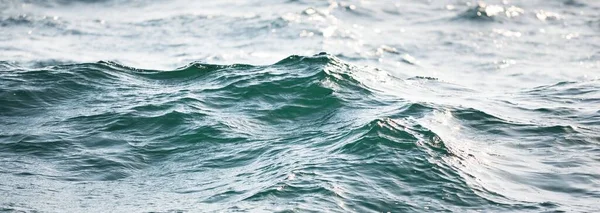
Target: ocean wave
[218,106]
[304,128]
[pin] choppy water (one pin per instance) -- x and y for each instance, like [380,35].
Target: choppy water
[300,106]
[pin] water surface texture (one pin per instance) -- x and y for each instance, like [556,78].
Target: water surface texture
[299,106]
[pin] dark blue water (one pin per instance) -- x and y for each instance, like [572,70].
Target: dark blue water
[299,106]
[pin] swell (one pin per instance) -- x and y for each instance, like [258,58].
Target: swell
[109,121]
[370,164]
[79,110]
[302,126]
[45,87]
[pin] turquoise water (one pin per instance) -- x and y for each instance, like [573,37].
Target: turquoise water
[349,106]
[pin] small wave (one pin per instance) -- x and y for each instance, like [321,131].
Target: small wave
[28,20]
[569,91]
[491,12]
[575,3]
[8,65]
